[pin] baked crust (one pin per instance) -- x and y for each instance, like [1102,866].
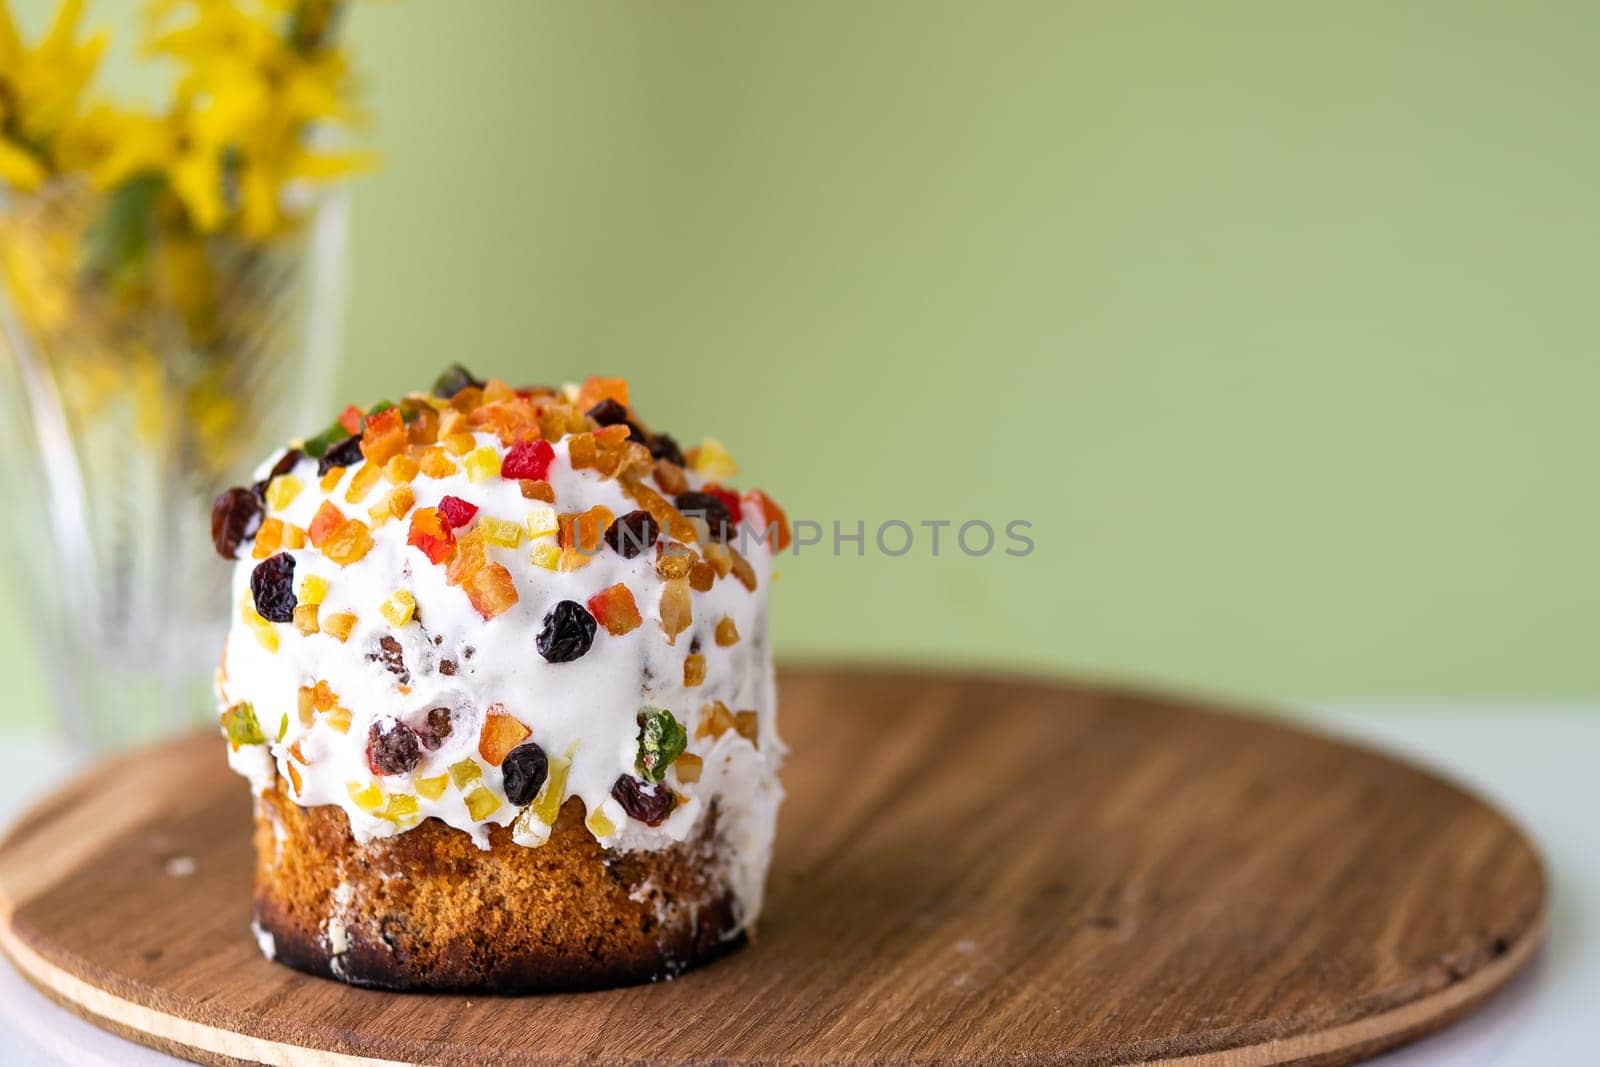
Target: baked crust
[428,909]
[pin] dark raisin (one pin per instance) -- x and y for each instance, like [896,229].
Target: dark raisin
[392,657]
[524,770]
[284,465]
[346,453]
[272,586]
[649,807]
[437,727]
[453,380]
[235,518]
[447,666]
[392,751]
[694,645]
[567,633]
[608,412]
[705,506]
[632,534]
[662,446]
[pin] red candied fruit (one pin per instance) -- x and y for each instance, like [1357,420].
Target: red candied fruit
[350,418]
[527,461]
[730,500]
[385,436]
[771,515]
[456,512]
[431,534]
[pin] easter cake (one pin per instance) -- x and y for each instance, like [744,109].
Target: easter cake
[499,679]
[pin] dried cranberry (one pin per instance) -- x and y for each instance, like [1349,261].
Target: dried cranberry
[346,453]
[438,726]
[235,518]
[662,446]
[392,657]
[567,633]
[649,806]
[392,751]
[527,461]
[456,512]
[453,380]
[525,768]
[272,586]
[710,508]
[633,533]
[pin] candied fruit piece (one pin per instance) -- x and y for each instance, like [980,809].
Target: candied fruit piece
[491,590]
[633,533]
[463,772]
[349,543]
[688,767]
[615,609]
[293,536]
[436,463]
[674,561]
[306,709]
[547,556]
[327,519]
[235,518]
[501,733]
[773,521]
[399,608]
[458,444]
[268,539]
[599,825]
[670,476]
[431,788]
[339,625]
[584,532]
[595,389]
[701,576]
[431,535]
[524,772]
[542,522]
[730,500]
[582,452]
[392,749]
[694,670]
[350,419]
[294,780]
[384,437]
[742,569]
[470,558]
[676,613]
[727,632]
[262,629]
[502,532]
[402,807]
[305,619]
[567,633]
[401,469]
[528,460]
[367,797]
[330,481]
[537,490]
[396,504]
[547,805]
[481,804]
[668,517]
[362,482]
[650,805]
[711,460]
[456,512]
[339,719]
[241,726]
[745,723]
[715,720]
[662,739]
[282,490]
[454,379]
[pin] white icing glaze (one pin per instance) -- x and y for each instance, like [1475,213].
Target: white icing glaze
[587,707]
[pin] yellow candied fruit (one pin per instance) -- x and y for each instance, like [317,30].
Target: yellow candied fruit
[500,532]
[547,805]
[688,767]
[547,555]
[362,483]
[331,480]
[599,825]
[339,719]
[400,806]
[436,463]
[745,723]
[481,804]
[396,504]
[482,464]
[458,443]
[260,627]
[542,522]
[727,632]
[293,536]
[399,608]
[694,670]
[268,538]
[313,589]
[432,788]
[400,469]
[465,772]
[305,618]
[282,490]
[339,625]
[711,460]
[367,797]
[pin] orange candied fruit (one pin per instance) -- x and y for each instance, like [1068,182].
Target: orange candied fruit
[400,469]
[395,505]
[268,538]
[772,518]
[384,437]
[430,534]
[327,519]
[694,670]
[349,543]
[436,462]
[715,720]
[491,590]
[363,481]
[470,558]
[596,389]
[745,723]
[584,531]
[339,625]
[501,733]
[727,632]
[614,608]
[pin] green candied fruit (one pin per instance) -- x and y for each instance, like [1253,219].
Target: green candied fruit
[662,739]
[239,723]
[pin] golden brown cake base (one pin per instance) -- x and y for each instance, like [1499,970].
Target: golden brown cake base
[428,909]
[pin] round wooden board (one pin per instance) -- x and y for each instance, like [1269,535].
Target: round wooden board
[969,869]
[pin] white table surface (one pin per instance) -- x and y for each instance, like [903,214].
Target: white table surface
[1539,762]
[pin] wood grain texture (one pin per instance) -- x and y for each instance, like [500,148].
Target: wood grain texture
[969,869]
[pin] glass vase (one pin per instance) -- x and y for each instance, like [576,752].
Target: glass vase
[133,393]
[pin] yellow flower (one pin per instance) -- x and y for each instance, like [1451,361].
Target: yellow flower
[41,91]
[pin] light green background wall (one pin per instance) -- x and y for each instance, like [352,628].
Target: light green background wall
[1277,320]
